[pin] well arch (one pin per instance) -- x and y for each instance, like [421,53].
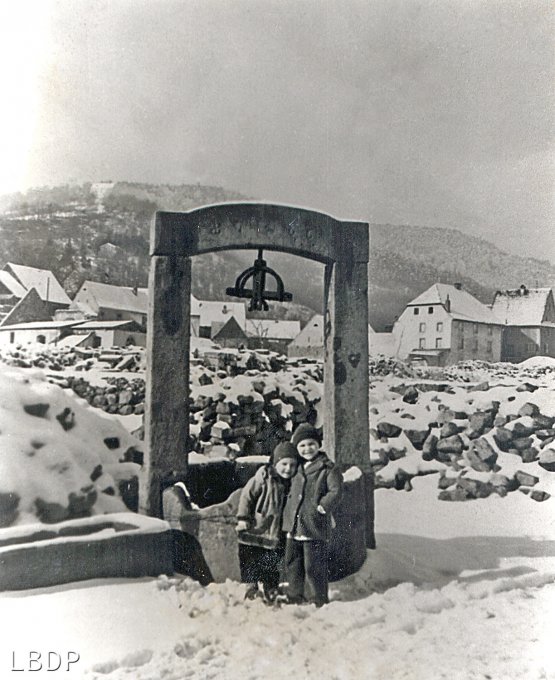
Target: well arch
[342,246]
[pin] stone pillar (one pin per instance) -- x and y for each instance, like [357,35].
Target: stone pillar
[167,378]
[346,367]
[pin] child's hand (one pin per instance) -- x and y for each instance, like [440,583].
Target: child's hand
[321,510]
[241,525]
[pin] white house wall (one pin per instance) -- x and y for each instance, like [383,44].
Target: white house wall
[408,332]
[23,337]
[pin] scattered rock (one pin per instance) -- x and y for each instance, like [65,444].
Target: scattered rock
[479,423]
[66,419]
[529,409]
[539,496]
[526,387]
[411,395]
[39,410]
[525,479]
[417,437]
[388,430]
[547,460]
[452,444]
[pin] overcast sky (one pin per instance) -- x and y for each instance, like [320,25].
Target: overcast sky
[427,112]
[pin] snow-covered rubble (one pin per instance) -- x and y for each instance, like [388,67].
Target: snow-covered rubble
[59,458]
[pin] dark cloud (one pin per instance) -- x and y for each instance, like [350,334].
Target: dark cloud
[406,111]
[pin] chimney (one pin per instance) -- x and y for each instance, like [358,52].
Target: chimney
[523,290]
[135,290]
[458,286]
[447,304]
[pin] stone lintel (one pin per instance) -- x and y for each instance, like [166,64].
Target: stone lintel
[259,225]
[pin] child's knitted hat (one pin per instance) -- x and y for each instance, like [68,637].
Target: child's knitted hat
[305,431]
[284,450]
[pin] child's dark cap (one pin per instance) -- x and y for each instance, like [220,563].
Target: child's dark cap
[284,450]
[305,431]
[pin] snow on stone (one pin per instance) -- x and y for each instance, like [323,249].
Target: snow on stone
[60,458]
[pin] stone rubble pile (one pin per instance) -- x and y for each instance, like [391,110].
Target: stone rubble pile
[38,356]
[478,445]
[475,370]
[120,395]
[381,366]
[250,414]
[60,459]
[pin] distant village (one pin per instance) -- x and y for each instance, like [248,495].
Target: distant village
[443,325]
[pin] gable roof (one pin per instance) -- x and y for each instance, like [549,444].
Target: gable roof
[116,297]
[230,329]
[12,284]
[312,335]
[522,306]
[29,308]
[47,285]
[217,311]
[463,305]
[274,329]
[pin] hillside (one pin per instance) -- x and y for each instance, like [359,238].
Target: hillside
[100,232]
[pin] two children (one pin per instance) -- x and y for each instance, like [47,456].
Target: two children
[312,490]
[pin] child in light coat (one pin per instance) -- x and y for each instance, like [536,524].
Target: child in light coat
[307,519]
[259,519]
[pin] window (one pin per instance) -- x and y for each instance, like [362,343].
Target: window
[475,327]
[475,346]
[422,343]
[439,342]
[119,316]
[439,326]
[461,343]
[12,336]
[430,310]
[489,347]
[416,311]
[422,327]
[41,339]
[490,330]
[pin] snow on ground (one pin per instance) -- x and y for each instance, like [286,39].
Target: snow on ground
[445,595]
[454,590]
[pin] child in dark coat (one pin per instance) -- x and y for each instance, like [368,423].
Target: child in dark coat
[315,491]
[260,535]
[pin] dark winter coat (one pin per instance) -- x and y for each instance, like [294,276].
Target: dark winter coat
[321,483]
[261,506]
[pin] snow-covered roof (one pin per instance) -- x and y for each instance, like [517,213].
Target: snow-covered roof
[116,297]
[46,284]
[12,284]
[523,306]
[38,325]
[273,329]
[463,305]
[73,340]
[216,310]
[107,325]
[312,335]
